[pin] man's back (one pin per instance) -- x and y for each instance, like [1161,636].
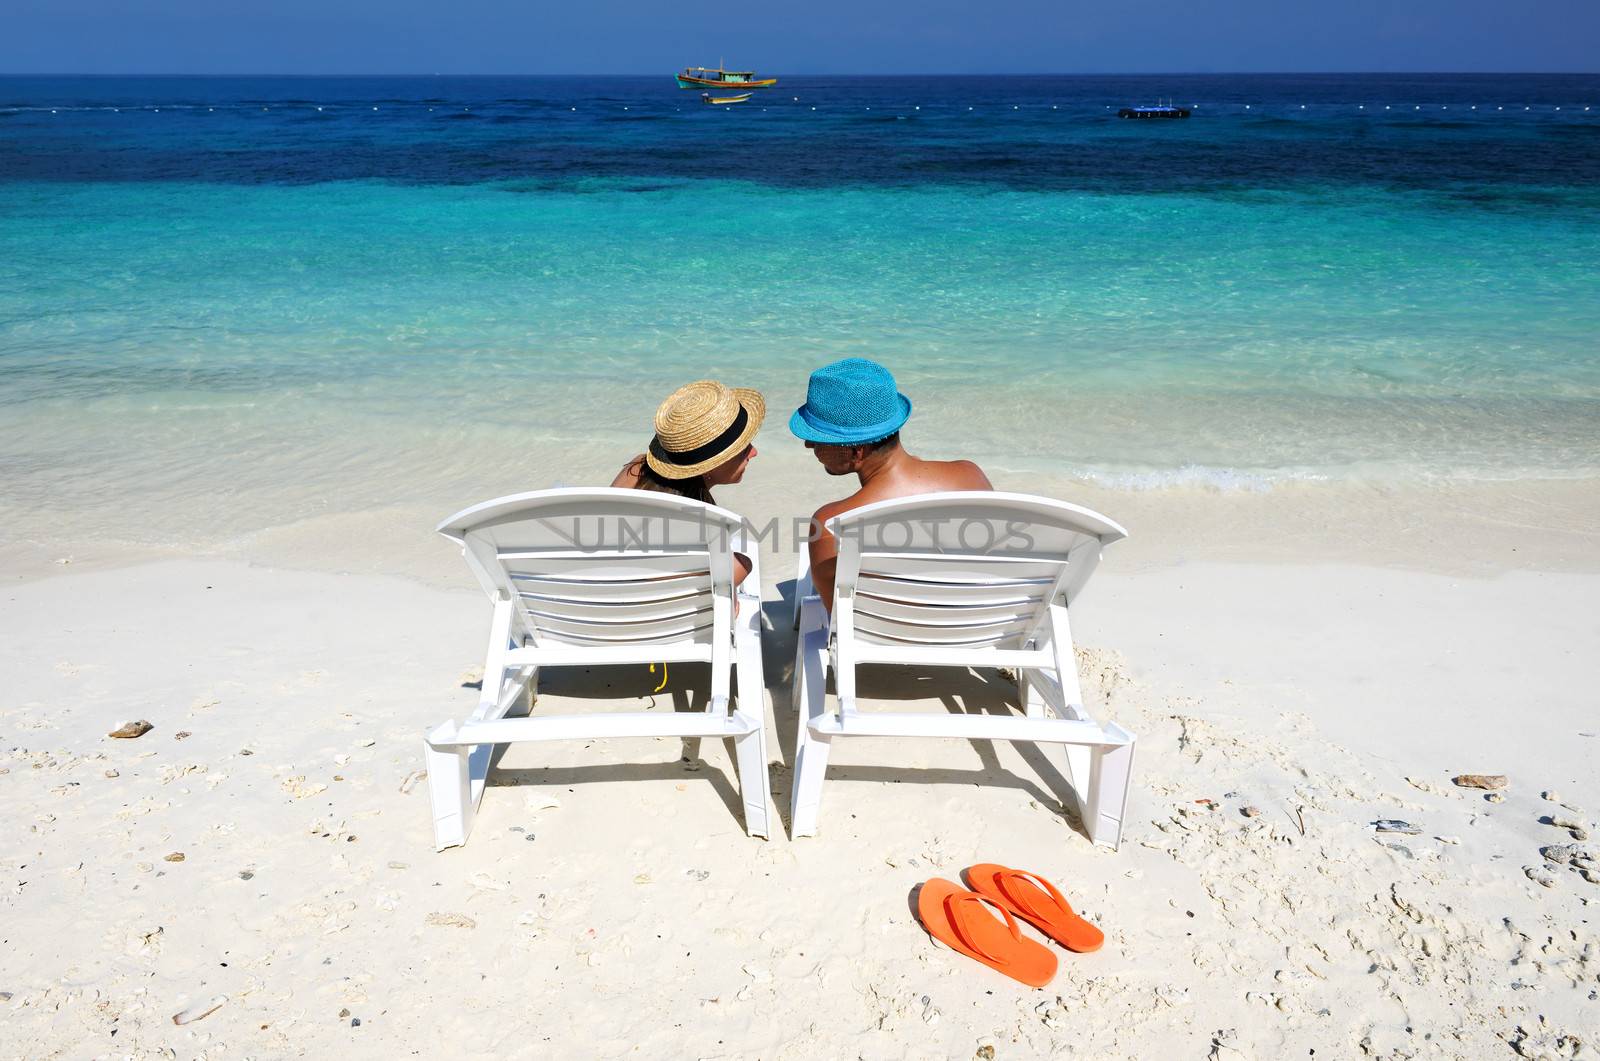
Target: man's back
[906,478]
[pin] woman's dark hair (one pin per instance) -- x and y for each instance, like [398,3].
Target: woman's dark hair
[693,487]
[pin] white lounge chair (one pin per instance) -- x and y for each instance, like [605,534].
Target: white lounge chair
[596,577]
[972,579]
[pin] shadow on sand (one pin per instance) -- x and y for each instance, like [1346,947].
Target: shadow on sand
[960,690]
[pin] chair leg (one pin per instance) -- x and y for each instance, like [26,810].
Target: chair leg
[688,747]
[797,683]
[1110,776]
[807,674]
[810,768]
[751,754]
[1079,769]
[1028,693]
[803,587]
[449,792]
[811,753]
[750,750]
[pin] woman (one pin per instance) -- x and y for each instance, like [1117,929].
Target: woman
[703,439]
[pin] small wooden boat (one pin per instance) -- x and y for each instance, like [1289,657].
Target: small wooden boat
[706,97]
[717,77]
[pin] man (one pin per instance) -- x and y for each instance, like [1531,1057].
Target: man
[851,420]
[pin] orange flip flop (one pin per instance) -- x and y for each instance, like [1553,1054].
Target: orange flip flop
[1037,902]
[957,917]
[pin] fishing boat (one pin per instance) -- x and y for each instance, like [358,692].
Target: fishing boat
[706,97]
[707,77]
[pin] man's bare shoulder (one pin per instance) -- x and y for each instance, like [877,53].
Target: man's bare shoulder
[957,475]
[844,504]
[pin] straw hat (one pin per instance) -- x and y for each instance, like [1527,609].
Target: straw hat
[702,424]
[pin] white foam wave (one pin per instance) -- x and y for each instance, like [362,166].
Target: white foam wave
[1257,481]
[1196,476]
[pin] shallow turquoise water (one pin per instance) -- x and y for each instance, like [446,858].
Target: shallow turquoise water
[299,344]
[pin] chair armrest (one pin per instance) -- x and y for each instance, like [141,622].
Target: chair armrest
[803,589]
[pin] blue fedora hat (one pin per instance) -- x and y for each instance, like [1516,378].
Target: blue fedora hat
[850,402]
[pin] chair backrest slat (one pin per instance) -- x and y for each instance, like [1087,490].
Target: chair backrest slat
[669,637]
[975,593]
[941,614]
[564,629]
[621,590]
[580,567]
[875,629]
[603,567]
[621,612]
[963,570]
[634,616]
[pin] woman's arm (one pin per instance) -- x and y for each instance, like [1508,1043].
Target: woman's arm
[824,550]
[628,477]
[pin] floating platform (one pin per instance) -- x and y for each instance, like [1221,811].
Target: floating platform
[1153,112]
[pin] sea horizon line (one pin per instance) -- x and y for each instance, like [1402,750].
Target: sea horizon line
[876,76]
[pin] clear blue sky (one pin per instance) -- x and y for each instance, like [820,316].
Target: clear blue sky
[820,36]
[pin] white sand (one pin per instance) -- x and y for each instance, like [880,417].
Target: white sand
[633,917]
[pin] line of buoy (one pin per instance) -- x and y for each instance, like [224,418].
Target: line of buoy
[1555,108]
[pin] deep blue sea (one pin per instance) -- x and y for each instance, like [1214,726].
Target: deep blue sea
[296,293]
